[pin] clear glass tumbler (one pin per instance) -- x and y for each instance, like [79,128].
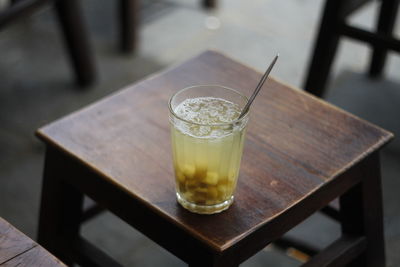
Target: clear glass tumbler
[206,157]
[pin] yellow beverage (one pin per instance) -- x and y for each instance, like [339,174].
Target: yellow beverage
[207,149]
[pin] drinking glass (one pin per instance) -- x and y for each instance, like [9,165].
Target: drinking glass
[206,157]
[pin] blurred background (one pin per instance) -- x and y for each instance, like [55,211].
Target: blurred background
[37,87]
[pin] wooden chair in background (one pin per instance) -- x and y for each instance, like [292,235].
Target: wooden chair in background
[72,26]
[333,27]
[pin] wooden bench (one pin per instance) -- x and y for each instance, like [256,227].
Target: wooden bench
[16,249]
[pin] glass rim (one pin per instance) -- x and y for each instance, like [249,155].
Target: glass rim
[172,112]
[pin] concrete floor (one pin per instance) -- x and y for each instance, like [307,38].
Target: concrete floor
[37,87]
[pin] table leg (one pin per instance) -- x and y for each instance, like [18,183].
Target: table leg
[61,208]
[362,214]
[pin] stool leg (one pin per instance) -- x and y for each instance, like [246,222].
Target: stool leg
[209,4]
[387,18]
[72,25]
[324,48]
[362,214]
[60,210]
[128,15]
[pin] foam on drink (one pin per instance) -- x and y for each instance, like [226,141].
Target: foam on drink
[207,111]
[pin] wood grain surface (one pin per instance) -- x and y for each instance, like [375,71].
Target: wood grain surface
[16,249]
[296,144]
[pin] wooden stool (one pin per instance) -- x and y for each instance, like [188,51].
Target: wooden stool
[72,26]
[16,249]
[333,26]
[300,154]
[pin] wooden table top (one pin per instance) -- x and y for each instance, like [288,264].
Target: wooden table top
[295,144]
[16,249]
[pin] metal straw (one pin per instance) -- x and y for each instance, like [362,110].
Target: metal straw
[260,84]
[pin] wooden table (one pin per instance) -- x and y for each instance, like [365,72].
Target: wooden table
[300,154]
[16,249]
